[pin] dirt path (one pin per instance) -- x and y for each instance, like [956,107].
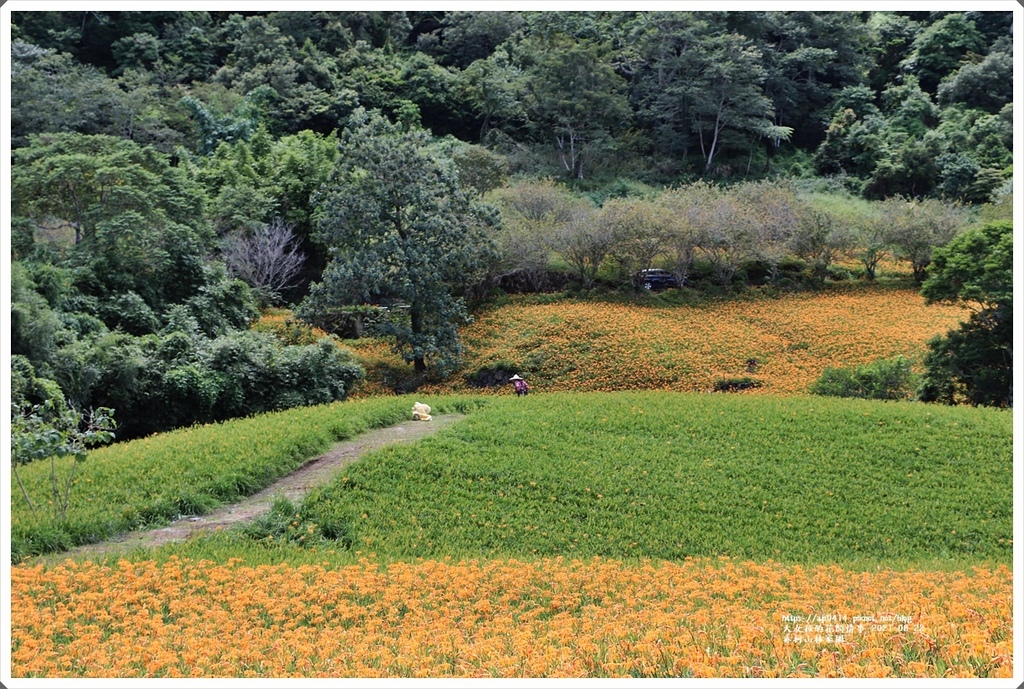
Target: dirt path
[293,486]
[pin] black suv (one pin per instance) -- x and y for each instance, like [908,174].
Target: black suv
[656,279]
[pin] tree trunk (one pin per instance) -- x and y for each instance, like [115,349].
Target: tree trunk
[485,127]
[416,324]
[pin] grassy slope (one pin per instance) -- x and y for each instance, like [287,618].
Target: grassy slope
[663,475]
[189,471]
[751,476]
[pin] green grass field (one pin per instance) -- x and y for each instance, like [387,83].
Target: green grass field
[151,481]
[620,475]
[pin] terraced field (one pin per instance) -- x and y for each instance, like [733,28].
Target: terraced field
[576,534]
[621,521]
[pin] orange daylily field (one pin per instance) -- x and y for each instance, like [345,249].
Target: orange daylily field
[553,616]
[599,346]
[547,618]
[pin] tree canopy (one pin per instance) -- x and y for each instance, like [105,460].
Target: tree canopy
[975,362]
[583,94]
[400,229]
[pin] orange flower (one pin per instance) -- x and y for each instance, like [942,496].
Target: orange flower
[557,618]
[595,346]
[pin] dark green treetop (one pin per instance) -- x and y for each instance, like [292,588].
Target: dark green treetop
[400,230]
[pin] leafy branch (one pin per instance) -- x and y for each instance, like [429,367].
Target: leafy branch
[53,431]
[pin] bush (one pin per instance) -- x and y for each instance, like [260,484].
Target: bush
[301,526]
[27,388]
[885,379]
[181,377]
[736,384]
[313,374]
[838,273]
[494,374]
[222,304]
[129,312]
[970,365]
[258,374]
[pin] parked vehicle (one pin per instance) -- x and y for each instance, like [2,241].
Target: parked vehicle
[655,279]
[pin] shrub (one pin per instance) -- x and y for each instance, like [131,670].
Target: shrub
[736,384]
[885,379]
[494,374]
[27,388]
[258,374]
[313,374]
[286,523]
[181,377]
[222,304]
[838,273]
[129,312]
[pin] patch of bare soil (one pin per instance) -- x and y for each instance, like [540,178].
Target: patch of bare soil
[293,486]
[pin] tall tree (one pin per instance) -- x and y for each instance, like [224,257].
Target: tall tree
[466,37]
[52,92]
[940,47]
[975,362]
[729,96]
[986,83]
[491,87]
[135,220]
[891,40]
[576,99]
[664,61]
[399,228]
[809,57]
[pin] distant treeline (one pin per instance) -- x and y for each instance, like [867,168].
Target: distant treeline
[912,103]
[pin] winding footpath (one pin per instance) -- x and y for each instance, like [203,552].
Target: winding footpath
[294,487]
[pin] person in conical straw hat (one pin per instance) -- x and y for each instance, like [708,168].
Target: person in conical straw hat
[521,386]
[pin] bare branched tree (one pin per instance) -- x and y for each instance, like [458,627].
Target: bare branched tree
[640,232]
[770,210]
[583,243]
[267,258]
[689,207]
[918,226]
[818,238]
[530,212]
[725,236]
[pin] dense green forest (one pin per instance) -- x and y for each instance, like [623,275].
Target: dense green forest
[172,172]
[910,102]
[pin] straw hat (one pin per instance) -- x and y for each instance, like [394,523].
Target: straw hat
[515,377]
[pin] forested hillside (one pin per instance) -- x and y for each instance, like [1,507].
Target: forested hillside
[173,172]
[654,96]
